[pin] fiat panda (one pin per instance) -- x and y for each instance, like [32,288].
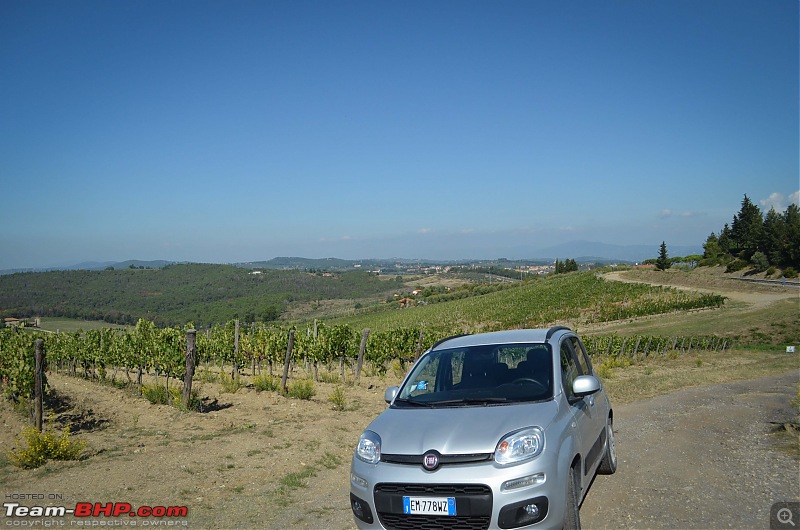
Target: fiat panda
[495,430]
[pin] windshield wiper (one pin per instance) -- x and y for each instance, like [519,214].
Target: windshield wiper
[413,402]
[473,401]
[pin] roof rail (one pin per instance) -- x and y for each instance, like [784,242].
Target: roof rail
[552,331]
[438,342]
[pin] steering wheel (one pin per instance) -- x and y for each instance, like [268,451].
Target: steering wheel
[529,380]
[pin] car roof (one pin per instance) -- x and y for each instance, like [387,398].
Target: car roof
[510,336]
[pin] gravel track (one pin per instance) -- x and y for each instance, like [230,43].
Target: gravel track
[699,458]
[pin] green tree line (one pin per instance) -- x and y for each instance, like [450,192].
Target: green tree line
[758,240]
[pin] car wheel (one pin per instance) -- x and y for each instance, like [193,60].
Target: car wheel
[608,465]
[572,514]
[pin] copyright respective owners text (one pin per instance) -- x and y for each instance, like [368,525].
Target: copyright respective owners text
[784,515]
[48,510]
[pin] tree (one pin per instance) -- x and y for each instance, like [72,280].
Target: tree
[791,242]
[662,263]
[569,265]
[711,250]
[747,229]
[774,235]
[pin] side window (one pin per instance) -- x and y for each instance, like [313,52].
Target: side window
[583,360]
[569,370]
[457,366]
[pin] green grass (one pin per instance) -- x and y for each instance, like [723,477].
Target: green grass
[73,324]
[575,298]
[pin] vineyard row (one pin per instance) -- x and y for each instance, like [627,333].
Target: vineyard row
[148,349]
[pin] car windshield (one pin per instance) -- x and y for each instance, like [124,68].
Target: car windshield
[479,376]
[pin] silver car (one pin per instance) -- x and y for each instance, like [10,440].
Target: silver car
[495,430]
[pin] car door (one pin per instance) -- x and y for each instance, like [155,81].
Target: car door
[582,409]
[597,405]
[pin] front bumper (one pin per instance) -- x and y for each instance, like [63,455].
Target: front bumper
[484,494]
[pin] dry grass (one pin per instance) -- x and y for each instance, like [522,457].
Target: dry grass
[657,376]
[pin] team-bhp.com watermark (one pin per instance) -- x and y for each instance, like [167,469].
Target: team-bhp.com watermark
[22,511]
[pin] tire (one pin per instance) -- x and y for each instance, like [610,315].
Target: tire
[572,514]
[608,465]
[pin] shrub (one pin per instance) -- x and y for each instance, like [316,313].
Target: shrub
[207,376]
[736,265]
[759,261]
[44,446]
[229,384]
[301,389]
[338,399]
[604,371]
[329,377]
[266,383]
[789,272]
[155,394]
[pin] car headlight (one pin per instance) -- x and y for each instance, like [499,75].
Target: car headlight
[519,446]
[369,447]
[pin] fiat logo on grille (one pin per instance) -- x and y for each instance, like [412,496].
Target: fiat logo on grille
[430,461]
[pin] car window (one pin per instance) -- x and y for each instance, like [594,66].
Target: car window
[481,374]
[580,353]
[569,369]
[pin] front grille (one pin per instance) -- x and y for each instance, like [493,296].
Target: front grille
[473,506]
[432,522]
[444,460]
[449,490]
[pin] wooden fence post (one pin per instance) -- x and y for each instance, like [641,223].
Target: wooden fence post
[419,346]
[191,355]
[316,363]
[38,386]
[636,348]
[287,361]
[235,373]
[361,349]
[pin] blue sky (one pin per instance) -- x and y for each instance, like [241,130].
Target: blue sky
[238,131]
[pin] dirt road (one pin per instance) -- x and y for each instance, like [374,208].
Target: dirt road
[699,458]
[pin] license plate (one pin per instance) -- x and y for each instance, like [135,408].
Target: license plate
[429,505]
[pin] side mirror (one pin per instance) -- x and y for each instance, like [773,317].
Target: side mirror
[390,394]
[585,385]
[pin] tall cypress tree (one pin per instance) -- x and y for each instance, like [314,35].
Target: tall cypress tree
[662,263]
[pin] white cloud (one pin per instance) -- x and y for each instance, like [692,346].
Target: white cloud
[779,202]
[666,213]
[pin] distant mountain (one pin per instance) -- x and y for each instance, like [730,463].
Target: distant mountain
[98,266]
[153,264]
[588,251]
[330,264]
[302,263]
[581,251]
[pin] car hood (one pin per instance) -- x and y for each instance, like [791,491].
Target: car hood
[456,430]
